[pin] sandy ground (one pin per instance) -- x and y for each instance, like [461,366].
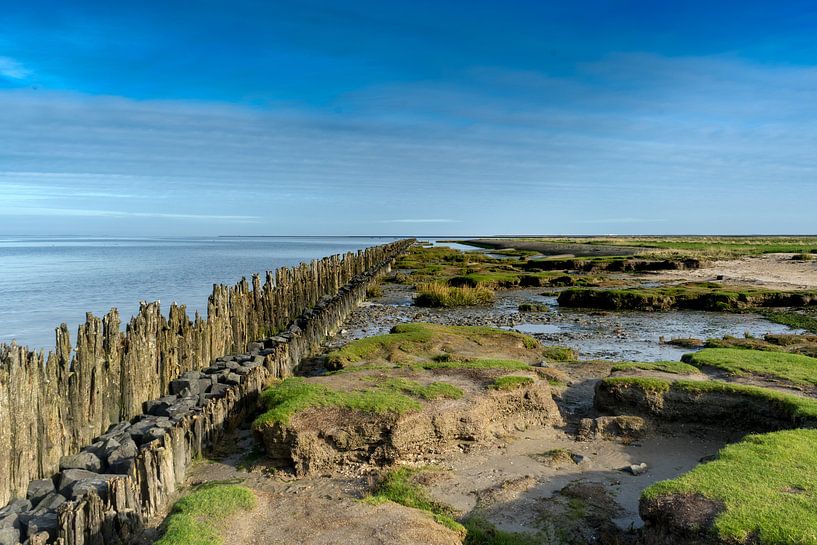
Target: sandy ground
[778,271]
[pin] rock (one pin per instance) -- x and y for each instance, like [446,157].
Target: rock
[232,379]
[82,460]
[69,477]
[46,522]
[49,503]
[98,485]
[181,384]
[637,469]
[39,489]
[10,520]
[9,536]
[625,428]
[217,391]
[579,458]
[120,459]
[16,506]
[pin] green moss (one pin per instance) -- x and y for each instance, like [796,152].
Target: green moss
[674,367]
[511,382]
[794,368]
[399,486]
[194,519]
[767,485]
[295,394]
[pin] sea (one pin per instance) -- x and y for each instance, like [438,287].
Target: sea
[46,281]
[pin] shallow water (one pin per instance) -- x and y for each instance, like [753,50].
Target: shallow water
[48,280]
[620,336]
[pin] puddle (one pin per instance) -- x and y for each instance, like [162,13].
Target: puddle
[636,335]
[532,329]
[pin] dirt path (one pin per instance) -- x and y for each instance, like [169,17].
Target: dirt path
[777,271]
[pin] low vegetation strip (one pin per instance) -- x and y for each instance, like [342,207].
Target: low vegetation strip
[511,382]
[694,296]
[435,294]
[794,368]
[707,400]
[674,367]
[195,519]
[400,487]
[797,320]
[763,490]
[295,394]
[408,342]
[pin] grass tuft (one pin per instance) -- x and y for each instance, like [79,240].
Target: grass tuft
[674,367]
[511,382]
[767,485]
[435,294]
[194,519]
[398,486]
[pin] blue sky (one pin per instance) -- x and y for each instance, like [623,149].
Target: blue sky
[478,117]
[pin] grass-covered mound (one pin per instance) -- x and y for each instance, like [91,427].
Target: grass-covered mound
[379,396]
[706,401]
[796,320]
[794,368]
[674,367]
[511,382]
[413,343]
[195,519]
[691,296]
[762,490]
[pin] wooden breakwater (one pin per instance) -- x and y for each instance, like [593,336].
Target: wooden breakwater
[52,405]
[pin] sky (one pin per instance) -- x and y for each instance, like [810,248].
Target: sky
[478,117]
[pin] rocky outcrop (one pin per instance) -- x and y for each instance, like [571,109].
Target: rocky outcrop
[705,402]
[326,438]
[129,471]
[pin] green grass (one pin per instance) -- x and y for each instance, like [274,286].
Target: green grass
[648,384]
[482,532]
[792,319]
[794,368]
[435,294]
[767,485]
[533,307]
[802,411]
[674,367]
[194,519]
[434,390]
[416,339]
[511,382]
[692,296]
[443,363]
[295,394]
[559,353]
[399,486]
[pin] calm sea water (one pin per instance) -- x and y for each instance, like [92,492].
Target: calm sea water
[45,281]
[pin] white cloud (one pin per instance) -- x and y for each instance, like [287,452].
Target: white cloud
[10,68]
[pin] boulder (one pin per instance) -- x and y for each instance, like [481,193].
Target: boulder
[120,459]
[39,489]
[49,503]
[9,536]
[10,520]
[70,477]
[83,460]
[232,379]
[46,522]
[181,384]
